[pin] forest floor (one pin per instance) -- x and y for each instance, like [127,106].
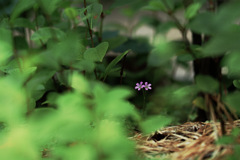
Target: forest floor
[189,141]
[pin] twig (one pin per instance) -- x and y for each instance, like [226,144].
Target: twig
[89,28]
[181,28]
[101,27]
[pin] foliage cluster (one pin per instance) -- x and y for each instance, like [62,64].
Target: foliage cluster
[66,98]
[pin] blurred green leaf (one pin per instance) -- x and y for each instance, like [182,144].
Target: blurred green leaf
[136,45]
[223,42]
[192,10]
[94,11]
[13,101]
[162,53]
[102,50]
[156,5]
[112,137]
[43,122]
[165,27]
[113,63]
[40,20]
[231,61]
[207,84]
[74,116]
[236,83]
[80,83]
[91,54]
[115,41]
[155,123]
[211,24]
[19,144]
[204,23]
[119,3]
[84,65]
[71,13]
[235,132]
[49,6]
[46,33]
[97,53]
[225,140]
[77,151]
[200,103]
[23,22]
[6,48]
[183,96]
[112,104]
[36,85]
[22,6]
[232,100]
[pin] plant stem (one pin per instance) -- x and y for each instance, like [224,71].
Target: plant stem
[144,104]
[101,28]
[89,28]
[181,28]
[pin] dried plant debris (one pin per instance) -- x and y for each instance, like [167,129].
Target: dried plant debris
[189,141]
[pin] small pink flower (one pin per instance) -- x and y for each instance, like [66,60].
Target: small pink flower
[147,86]
[139,86]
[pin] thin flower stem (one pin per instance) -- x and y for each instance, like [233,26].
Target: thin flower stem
[144,103]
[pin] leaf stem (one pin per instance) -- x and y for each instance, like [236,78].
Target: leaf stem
[89,28]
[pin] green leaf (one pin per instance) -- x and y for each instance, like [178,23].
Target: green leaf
[22,6]
[23,22]
[183,96]
[22,146]
[211,23]
[97,53]
[6,48]
[111,136]
[204,23]
[155,123]
[225,140]
[40,20]
[113,63]
[156,5]
[192,10]
[46,33]
[162,53]
[71,13]
[231,61]
[13,101]
[94,11]
[166,26]
[36,85]
[74,115]
[79,83]
[233,100]
[236,83]
[49,6]
[116,41]
[200,103]
[84,65]
[235,132]
[102,50]
[223,42]
[91,54]
[207,84]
